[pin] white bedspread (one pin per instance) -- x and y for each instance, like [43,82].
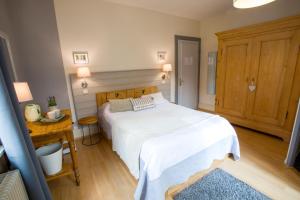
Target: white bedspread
[157,132]
[158,154]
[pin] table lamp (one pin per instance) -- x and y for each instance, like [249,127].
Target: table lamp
[23,91]
[32,111]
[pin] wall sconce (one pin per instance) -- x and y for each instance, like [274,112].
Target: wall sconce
[166,69]
[83,72]
[80,57]
[161,56]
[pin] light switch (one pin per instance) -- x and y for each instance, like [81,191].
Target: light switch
[85,91]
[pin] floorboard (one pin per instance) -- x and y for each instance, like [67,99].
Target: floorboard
[104,176]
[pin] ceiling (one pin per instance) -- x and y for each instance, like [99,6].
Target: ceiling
[193,9]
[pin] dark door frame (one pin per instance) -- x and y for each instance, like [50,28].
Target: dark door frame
[177,38]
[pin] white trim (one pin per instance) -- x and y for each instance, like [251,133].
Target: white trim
[77,132]
[6,38]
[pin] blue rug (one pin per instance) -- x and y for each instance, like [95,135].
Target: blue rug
[218,184]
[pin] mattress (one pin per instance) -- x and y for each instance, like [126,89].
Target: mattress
[130,130]
[104,124]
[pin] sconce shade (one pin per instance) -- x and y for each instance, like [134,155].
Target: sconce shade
[22,91]
[250,3]
[83,72]
[167,68]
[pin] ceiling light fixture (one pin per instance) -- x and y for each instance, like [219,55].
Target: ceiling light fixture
[250,3]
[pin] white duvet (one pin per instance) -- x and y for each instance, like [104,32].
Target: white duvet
[159,131]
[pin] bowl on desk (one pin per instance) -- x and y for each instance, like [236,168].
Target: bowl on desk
[53,116]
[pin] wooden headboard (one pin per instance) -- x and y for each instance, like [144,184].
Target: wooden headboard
[103,97]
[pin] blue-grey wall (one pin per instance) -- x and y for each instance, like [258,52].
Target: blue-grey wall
[6,32]
[32,29]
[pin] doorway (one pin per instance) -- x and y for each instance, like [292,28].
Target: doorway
[187,71]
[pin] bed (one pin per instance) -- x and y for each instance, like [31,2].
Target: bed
[165,145]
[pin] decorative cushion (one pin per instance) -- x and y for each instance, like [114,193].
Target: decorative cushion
[158,98]
[142,103]
[120,105]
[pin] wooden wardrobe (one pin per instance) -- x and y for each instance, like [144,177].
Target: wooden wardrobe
[258,76]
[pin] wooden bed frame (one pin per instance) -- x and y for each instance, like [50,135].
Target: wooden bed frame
[103,97]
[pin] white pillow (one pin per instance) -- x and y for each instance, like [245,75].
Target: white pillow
[142,103]
[158,98]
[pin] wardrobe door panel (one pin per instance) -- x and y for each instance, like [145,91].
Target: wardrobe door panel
[232,76]
[272,77]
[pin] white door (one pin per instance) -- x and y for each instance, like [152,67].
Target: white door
[188,73]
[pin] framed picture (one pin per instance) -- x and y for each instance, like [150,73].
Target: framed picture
[80,57]
[161,56]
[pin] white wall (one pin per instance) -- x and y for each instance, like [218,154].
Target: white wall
[117,37]
[232,19]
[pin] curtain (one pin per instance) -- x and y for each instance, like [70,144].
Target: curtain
[15,137]
[294,147]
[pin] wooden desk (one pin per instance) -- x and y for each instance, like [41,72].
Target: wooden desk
[47,133]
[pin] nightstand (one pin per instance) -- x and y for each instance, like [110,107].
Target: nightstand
[49,133]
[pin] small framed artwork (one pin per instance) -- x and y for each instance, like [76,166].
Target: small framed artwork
[80,57]
[161,56]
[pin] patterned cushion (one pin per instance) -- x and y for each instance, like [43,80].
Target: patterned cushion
[120,105]
[142,103]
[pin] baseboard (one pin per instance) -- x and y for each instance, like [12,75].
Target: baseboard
[77,132]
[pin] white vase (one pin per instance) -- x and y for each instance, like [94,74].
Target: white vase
[51,108]
[32,112]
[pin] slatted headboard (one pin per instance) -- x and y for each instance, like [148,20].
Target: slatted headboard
[85,103]
[103,97]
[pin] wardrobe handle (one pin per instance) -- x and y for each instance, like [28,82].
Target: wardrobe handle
[216,101]
[252,85]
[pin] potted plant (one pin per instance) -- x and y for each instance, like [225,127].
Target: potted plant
[52,103]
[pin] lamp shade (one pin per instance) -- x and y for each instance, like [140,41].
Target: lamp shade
[167,68]
[83,72]
[250,3]
[22,91]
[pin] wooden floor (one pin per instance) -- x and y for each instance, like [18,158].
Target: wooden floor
[104,176]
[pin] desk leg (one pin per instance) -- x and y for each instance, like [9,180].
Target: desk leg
[71,143]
